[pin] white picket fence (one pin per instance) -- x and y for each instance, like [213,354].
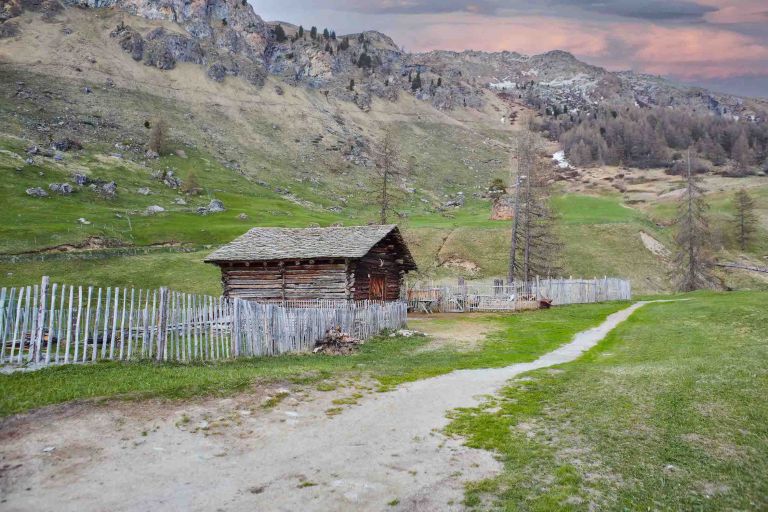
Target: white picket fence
[49,324]
[505,296]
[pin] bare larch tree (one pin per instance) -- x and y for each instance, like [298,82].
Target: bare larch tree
[692,259]
[534,245]
[745,220]
[389,169]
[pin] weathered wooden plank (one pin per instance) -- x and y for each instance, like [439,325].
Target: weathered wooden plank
[114,325]
[50,326]
[17,322]
[122,324]
[96,320]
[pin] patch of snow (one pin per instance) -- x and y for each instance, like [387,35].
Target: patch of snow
[562,162]
[503,86]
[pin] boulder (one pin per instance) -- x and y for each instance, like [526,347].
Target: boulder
[81,179]
[108,190]
[217,72]
[216,206]
[36,192]
[61,188]
[152,210]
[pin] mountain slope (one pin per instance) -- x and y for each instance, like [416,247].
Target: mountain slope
[274,131]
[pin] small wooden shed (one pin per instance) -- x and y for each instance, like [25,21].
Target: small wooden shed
[338,263]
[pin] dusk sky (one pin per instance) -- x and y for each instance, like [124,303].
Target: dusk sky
[722,44]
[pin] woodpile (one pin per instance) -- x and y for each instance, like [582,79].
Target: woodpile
[337,343]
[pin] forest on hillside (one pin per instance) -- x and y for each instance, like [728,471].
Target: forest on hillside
[660,137]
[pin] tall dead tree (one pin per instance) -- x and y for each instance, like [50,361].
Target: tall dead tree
[534,245]
[745,221]
[692,259]
[389,169]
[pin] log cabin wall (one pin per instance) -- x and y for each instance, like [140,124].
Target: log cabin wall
[383,262]
[287,280]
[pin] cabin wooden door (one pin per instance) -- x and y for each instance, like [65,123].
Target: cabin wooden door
[378,288]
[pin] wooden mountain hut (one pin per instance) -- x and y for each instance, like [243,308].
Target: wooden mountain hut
[338,263]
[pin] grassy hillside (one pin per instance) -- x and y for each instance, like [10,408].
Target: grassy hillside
[279,156]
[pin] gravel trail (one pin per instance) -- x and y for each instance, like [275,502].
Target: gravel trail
[387,453]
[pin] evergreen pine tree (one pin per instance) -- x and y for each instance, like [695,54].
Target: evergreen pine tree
[745,220]
[280,34]
[313,33]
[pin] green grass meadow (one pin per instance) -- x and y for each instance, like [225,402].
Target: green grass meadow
[668,413]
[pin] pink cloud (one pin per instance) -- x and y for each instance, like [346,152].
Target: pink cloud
[689,51]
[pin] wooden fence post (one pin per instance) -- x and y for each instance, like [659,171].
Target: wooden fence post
[162,324]
[235,328]
[40,316]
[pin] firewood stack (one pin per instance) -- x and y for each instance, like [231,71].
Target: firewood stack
[337,343]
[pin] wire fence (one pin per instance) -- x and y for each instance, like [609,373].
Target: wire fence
[50,324]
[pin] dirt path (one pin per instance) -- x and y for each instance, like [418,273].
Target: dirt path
[385,454]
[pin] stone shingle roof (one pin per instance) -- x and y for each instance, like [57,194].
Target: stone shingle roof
[268,244]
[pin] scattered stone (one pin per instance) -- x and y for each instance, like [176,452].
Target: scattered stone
[215,206]
[30,161]
[87,90]
[61,188]
[58,157]
[152,210]
[67,145]
[108,190]
[144,191]
[180,201]
[36,192]
[116,155]
[80,179]
[81,220]
[168,179]
[152,154]
[49,449]
[109,82]
[242,216]
[203,425]
[336,209]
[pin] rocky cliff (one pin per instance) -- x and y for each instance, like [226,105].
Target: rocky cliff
[229,39]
